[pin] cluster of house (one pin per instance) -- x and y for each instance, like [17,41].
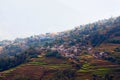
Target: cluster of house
[67,52]
[101,54]
[70,51]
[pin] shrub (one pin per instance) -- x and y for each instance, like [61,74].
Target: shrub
[117,49]
[53,54]
[115,41]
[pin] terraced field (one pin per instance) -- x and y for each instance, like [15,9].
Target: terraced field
[53,69]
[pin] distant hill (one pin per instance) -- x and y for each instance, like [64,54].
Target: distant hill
[91,50]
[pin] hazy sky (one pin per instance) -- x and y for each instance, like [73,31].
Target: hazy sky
[22,18]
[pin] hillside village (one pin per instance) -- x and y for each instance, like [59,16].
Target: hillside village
[91,50]
[68,43]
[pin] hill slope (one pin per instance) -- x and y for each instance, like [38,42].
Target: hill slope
[88,52]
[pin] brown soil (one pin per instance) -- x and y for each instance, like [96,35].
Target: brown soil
[34,72]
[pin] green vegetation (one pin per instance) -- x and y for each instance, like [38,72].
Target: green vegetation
[104,77]
[53,54]
[97,39]
[115,41]
[9,62]
[66,74]
[98,70]
[117,34]
[117,49]
[87,68]
[59,66]
[101,71]
[38,63]
[13,61]
[113,58]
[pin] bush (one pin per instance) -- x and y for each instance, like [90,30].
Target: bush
[117,49]
[115,41]
[53,54]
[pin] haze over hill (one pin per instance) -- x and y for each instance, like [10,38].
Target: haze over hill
[23,18]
